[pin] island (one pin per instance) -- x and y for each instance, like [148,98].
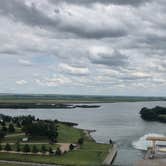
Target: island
[30,140]
[154,114]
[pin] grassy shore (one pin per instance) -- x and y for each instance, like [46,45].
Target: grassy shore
[90,153]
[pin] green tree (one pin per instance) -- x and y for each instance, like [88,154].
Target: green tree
[26,148]
[50,150]
[4,129]
[7,147]
[35,149]
[2,134]
[80,141]
[3,123]
[18,149]
[43,149]
[0,147]
[58,152]
[11,128]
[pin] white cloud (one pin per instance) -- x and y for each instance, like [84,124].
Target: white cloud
[73,70]
[53,81]
[21,82]
[25,62]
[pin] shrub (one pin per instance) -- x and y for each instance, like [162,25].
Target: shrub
[26,148]
[7,147]
[18,147]
[81,141]
[2,134]
[50,150]
[11,128]
[58,152]
[35,149]
[43,149]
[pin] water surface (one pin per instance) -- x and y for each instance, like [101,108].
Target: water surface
[119,121]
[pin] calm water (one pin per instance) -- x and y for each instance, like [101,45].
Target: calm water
[118,121]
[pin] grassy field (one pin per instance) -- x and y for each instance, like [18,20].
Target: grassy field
[10,164]
[14,98]
[89,154]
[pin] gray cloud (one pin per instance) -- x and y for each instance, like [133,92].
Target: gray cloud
[32,16]
[116,59]
[19,11]
[53,41]
[90,2]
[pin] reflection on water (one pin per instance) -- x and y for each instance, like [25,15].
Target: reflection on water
[119,121]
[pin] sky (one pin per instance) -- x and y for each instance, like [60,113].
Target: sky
[88,47]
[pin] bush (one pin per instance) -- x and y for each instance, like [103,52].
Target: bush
[11,128]
[50,150]
[7,147]
[2,134]
[81,141]
[18,147]
[43,149]
[0,147]
[26,148]
[4,129]
[35,149]
[58,152]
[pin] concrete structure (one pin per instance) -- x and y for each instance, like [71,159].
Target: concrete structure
[111,156]
[156,155]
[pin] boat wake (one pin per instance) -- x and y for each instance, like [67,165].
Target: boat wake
[142,143]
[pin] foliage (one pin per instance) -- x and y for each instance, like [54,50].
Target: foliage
[80,141]
[35,149]
[2,134]
[41,129]
[155,114]
[11,128]
[58,152]
[43,149]
[7,147]
[26,148]
[50,150]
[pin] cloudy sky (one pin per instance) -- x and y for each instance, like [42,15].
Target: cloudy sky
[105,47]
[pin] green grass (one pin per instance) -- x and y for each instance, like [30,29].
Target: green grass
[54,146]
[89,154]
[11,164]
[68,134]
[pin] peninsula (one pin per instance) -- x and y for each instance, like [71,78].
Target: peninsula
[154,114]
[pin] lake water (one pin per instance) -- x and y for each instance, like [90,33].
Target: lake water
[119,121]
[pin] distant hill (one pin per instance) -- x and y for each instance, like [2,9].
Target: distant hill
[51,98]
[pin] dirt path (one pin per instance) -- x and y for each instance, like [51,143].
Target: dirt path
[64,147]
[25,163]
[14,135]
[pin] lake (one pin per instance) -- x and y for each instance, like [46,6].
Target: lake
[119,121]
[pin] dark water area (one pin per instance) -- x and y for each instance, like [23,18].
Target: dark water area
[119,121]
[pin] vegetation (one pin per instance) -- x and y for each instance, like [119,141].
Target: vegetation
[64,101]
[154,114]
[45,138]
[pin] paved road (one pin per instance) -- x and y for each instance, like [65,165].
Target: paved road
[157,162]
